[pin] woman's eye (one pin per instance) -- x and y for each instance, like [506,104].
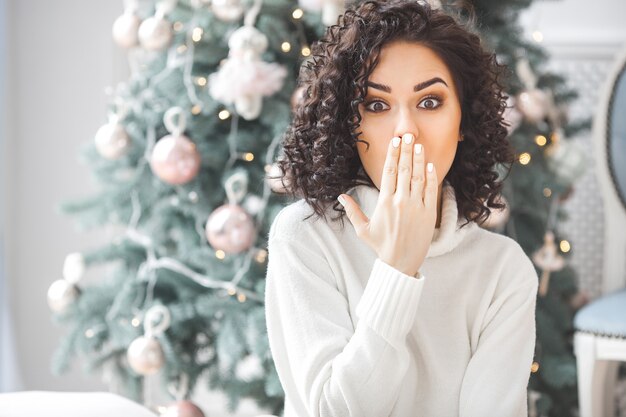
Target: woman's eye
[431,106]
[430,103]
[376,109]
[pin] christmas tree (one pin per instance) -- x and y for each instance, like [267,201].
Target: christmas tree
[186,171]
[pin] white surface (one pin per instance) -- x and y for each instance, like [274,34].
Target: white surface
[69,404]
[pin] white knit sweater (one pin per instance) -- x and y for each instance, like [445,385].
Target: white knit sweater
[352,336]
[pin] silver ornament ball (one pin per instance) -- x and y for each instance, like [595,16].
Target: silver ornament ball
[145,355]
[155,33]
[112,141]
[61,294]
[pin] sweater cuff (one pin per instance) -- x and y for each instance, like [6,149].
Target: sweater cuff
[389,302]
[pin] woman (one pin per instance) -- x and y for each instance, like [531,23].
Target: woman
[413,310]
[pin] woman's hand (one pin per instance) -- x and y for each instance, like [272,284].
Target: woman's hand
[403,223]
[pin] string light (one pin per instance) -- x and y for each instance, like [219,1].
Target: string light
[196,109]
[224,114]
[540,140]
[306,51]
[197,33]
[220,254]
[547,192]
[524,158]
[181,49]
[135,322]
[178,26]
[297,14]
[248,156]
[534,367]
[565,246]
[231,291]
[261,256]
[201,81]
[285,46]
[241,297]
[538,36]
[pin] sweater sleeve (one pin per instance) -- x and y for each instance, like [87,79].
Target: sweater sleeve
[326,365]
[496,379]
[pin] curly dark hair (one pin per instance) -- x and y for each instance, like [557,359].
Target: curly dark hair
[319,160]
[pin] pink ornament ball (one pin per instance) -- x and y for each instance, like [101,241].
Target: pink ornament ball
[175,159]
[230,228]
[183,408]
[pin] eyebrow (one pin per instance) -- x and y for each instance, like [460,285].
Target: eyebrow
[416,87]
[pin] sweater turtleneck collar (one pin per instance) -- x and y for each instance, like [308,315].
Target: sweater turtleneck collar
[445,238]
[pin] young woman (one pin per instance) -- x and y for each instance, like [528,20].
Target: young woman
[412,310]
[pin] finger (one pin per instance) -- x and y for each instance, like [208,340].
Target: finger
[405,166]
[417,176]
[430,192]
[356,216]
[390,169]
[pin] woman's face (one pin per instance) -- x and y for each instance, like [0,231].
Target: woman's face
[392,107]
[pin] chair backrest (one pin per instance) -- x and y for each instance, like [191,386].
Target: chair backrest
[609,136]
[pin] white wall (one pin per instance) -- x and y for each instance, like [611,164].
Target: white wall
[60,59]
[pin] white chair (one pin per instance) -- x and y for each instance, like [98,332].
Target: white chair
[600,337]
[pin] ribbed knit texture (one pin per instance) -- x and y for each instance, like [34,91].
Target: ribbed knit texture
[352,336]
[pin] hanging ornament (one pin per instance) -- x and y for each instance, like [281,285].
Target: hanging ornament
[230,228]
[112,140]
[156,33]
[566,159]
[227,10]
[533,104]
[126,26]
[511,115]
[498,217]
[175,158]
[144,354]
[74,267]
[182,407]
[243,78]
[276,181]
[548,260]
[61,295]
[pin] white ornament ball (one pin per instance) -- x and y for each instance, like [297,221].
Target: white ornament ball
[155,33]
[112,141]
[230,228]
[253,204]
[74,267]
[227,10]
[61,294]
[568,160]
[249,38]
[145,355]
[125,30]
[533,104]
[175,159]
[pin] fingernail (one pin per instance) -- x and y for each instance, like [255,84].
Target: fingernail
[429,167]
[342,200]
[407,138]
[395,142]
[418,148]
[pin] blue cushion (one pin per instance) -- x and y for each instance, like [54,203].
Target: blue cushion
[605,316]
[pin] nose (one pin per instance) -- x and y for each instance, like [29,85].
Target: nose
[406,123]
